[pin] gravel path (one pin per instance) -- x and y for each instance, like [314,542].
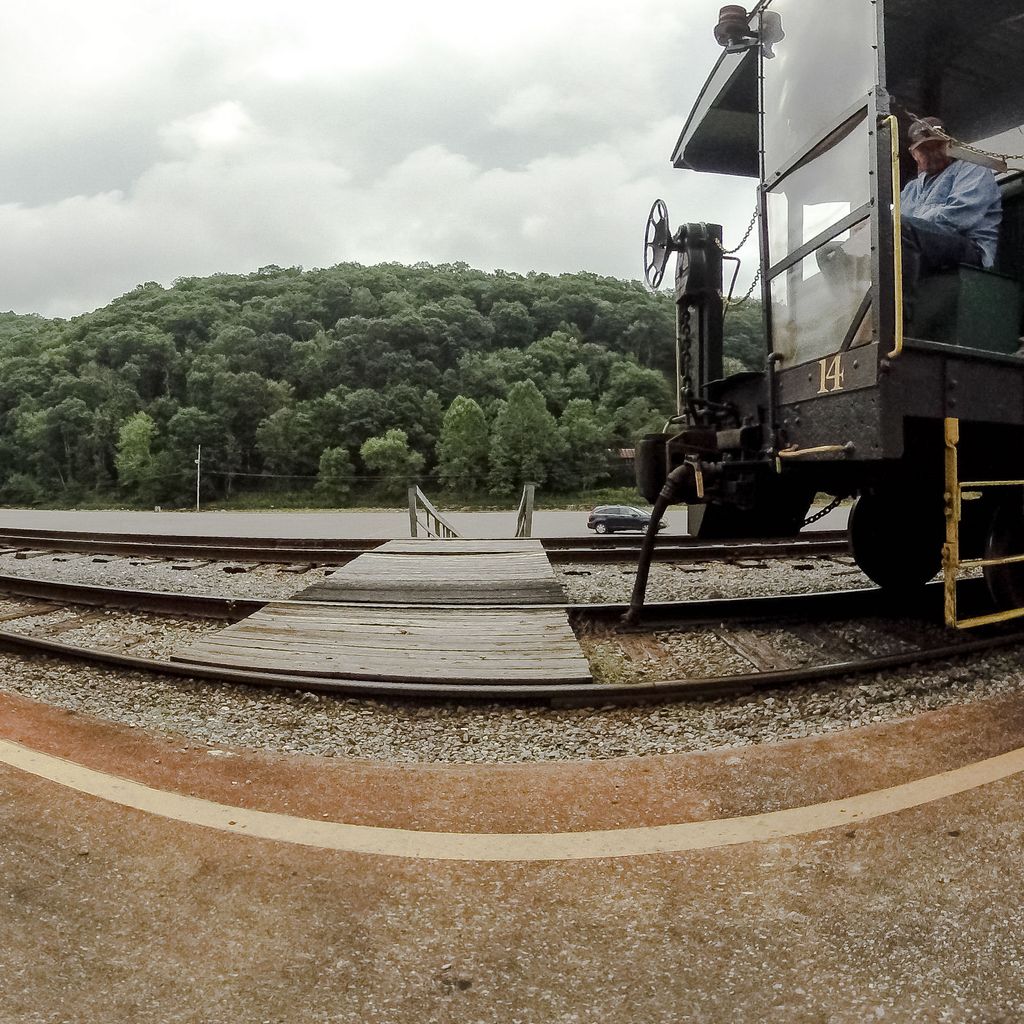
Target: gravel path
[225,716]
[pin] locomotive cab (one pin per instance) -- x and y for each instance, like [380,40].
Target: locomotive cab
[864,379]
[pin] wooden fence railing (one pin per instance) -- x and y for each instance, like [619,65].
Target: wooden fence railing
[423,515]
[524,516]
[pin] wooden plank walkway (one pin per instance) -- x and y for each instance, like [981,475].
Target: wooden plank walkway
[450,572]
[331,631]
[438,645]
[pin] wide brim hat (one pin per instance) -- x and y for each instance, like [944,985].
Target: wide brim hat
[926,129]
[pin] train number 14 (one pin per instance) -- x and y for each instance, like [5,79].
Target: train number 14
[831,374]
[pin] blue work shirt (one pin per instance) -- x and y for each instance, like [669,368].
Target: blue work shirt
[963,198]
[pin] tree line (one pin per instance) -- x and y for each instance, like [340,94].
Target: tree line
[350,380]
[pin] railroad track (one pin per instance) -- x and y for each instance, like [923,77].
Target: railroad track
[818,624]
[339,551]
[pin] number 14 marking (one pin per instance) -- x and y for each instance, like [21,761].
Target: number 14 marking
[831,374]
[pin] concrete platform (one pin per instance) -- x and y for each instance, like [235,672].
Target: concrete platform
[870,875]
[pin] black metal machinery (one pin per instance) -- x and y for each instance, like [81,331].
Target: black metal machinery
[860,381]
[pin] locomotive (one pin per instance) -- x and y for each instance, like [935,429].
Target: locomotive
[910,403]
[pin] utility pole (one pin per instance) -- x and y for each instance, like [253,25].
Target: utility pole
[199,470]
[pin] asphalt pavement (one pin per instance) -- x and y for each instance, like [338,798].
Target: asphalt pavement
[383,525]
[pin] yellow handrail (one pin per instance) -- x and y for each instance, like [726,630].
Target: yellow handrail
[952,563]
[968,484]
[824,449]
[897,239]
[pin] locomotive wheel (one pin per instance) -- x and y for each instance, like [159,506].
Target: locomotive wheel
[890,554]
[1005,539]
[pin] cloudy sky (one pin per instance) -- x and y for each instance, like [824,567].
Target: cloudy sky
[148,140]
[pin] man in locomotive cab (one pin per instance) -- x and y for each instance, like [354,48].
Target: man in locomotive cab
[950,212]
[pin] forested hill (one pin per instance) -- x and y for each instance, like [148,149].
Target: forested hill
[350,378]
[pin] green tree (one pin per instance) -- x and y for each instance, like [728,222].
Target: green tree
[134,458]
[463,447]
[525,444]
[269,369]
[187,429]
[352,417]
[391,458]
[629,380]
[489,376]
[513,325]
[628,423]
[745,347]
[334,480]
[585,441]
[287,440]
[66,438]
[22,490]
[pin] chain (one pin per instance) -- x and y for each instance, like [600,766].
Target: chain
[943,134]
[743,240]
[824,512]
[729,303]
[686,356]
[974,149]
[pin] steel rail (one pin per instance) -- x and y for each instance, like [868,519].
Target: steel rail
[159,602]
[559,694]
[339,551]
[817,605]
[556,694]
[809,545]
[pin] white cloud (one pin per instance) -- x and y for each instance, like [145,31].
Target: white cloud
[224,126]
[148,143]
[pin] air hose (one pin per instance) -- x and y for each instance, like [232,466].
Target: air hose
[670,493]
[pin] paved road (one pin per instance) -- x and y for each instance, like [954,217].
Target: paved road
[341,525]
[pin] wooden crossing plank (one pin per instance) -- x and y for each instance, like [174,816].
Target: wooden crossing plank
[463,597]
[466,645]
[411,620]
[457,572]
[397,639]
[372,619]
[460,546]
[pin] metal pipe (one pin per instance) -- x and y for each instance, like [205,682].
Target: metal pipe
[199,471]
[897,240]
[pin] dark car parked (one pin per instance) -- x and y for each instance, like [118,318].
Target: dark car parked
[613,518]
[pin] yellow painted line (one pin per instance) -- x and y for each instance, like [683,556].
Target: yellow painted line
[464,846]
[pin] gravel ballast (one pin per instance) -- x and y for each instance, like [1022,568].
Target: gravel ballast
[583,583]
[411,732]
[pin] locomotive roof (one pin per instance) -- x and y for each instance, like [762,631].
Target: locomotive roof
[720,134]
[957,60]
